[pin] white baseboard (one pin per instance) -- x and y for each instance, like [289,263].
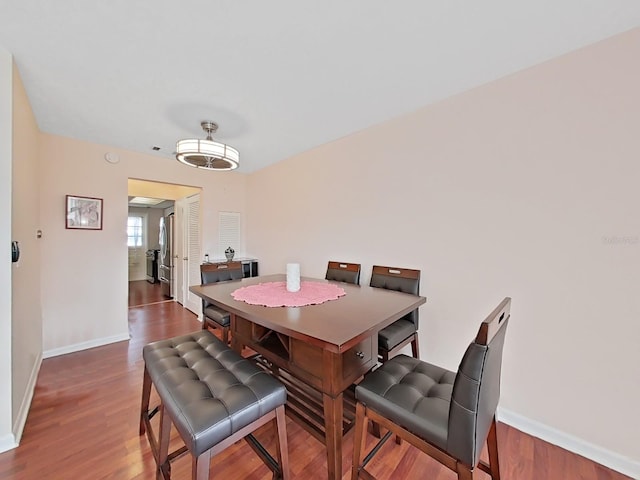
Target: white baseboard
[613,460]
[98,342]
[25,405]
[7,442]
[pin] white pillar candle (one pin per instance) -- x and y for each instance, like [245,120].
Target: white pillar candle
[293,277]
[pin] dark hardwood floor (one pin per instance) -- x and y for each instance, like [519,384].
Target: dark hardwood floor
[83,423]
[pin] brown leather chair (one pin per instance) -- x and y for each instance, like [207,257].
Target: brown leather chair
[343,272]
[405,330]
[448,415]
[213,316]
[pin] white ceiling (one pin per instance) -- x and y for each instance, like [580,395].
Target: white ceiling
[281,76]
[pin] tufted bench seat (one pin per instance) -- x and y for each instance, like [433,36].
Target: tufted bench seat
[213,397]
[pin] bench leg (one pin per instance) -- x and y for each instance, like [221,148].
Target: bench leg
[282,449]
[146,393]
[164,437]
[200,466]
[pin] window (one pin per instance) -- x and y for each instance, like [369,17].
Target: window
[134,232]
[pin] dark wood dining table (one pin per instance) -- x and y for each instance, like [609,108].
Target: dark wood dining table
[321,349]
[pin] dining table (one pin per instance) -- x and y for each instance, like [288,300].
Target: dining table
[319,350]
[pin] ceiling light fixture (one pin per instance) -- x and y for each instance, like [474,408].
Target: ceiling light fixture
[207,154]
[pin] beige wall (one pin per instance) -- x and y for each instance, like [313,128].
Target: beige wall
[7,439]
[526,187]
[25,219]
[84,273]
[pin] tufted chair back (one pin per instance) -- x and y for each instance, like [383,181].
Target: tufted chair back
[343,272]
[220,272]
[403,280]
[476,389]
[211,314]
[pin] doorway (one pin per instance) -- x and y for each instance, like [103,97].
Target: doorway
[149,204]
[143,247]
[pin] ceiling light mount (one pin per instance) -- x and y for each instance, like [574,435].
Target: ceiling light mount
[210,128]
[207,154]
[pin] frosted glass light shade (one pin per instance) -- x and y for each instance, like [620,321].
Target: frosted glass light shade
[207,154]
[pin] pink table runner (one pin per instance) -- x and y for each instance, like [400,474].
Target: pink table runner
[275,294]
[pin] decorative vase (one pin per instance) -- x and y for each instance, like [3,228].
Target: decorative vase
[229,253]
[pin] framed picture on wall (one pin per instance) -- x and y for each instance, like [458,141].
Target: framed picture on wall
[83,213]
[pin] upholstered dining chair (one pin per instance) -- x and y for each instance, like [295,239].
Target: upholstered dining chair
[448,415]
[405,330]
[213,316]
[343,272]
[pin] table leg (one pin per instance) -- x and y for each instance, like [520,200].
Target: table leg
[333,407]
[235,343]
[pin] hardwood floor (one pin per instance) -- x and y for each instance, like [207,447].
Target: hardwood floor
[142,292]
[83,423]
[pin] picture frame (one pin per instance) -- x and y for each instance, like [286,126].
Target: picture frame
[83,213]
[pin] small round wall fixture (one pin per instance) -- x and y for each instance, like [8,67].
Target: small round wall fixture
[112,157]
[207,154]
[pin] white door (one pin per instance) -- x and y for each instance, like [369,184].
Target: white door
[192,257]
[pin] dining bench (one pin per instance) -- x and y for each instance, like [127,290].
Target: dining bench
[214,397]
